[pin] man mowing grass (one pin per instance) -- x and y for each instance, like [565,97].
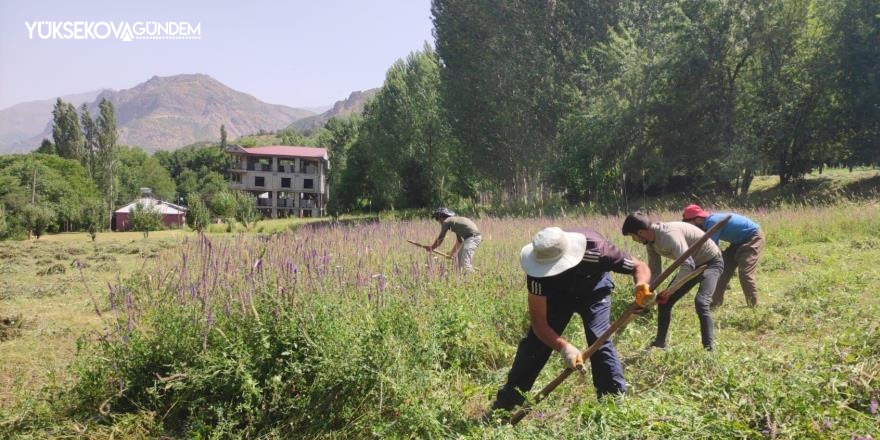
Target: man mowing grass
[467,237]
[671,240]
[746,246]
[567,273]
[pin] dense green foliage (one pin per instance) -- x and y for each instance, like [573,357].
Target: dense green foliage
[197,169]
[135,169]
[197,214]
[252,337]
[144,219]
[602,101]
[245,210]
[659,96]
[94,218]
[404,154]
[61,186]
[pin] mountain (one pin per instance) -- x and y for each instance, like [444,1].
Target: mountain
[28,119]
[353,104]
[165,113]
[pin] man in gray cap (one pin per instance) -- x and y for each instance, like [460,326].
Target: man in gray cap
[568,273]
[466,233]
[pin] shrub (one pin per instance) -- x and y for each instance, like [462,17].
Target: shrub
[94,218]
[197,215]
[37,219]
[144,219]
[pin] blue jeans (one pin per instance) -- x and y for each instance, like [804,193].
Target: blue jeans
[531,355]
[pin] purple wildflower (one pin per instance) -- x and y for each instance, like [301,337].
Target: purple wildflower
[873,407]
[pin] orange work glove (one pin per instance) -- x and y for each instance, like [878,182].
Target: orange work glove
[644,296]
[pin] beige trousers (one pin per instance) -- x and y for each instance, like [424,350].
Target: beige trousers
[744,257]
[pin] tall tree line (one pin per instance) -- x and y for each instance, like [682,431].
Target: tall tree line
[596,99]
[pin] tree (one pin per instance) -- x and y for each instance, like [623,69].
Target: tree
[245,211]
[338,135]
[93,218]
[4,227]
[144,219]
[135,169]
[37,219]
[90,139]
[509,71]
[66,131]
[62,185]
[222,137]
[197,214]
[107,137]
[407,140]
[46,147]
[197,168]
[223,204]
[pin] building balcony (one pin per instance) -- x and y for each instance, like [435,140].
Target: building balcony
[281,170]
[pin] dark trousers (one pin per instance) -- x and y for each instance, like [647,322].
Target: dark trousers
[532,354]
[707,280]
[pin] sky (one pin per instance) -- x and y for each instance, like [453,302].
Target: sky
[301,53]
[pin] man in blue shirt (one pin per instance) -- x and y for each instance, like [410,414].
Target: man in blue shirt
[746,246]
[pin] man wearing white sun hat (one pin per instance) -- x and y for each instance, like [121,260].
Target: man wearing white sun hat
[567,273]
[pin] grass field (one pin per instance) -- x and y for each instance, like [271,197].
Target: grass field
[350,332]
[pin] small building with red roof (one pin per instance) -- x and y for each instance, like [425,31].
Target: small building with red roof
[173,216]
[284,180]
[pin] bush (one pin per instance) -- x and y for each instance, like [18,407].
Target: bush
[37,219]
[245,212]
[197,214]
[144,219]
[94,218]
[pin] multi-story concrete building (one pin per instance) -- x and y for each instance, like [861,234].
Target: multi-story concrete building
[285,181]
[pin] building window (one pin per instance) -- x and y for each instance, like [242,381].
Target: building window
[259,181]
[285,182]
[308,183]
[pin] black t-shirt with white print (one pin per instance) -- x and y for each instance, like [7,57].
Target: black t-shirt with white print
[600,257]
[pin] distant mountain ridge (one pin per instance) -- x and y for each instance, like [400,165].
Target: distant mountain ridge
[165,113]
[347,107]
[24,120]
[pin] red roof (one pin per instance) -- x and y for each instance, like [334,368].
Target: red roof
[281,150]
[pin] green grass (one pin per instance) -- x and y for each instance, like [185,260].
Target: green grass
[326,353]
[52,310]
[805,364]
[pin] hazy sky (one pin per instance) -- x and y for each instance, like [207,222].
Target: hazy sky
[300,52]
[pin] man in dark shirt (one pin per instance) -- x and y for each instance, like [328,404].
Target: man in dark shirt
[567,273]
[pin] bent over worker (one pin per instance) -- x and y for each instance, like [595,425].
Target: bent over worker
[671,240]
[746,244]
[466,233]
[567,273]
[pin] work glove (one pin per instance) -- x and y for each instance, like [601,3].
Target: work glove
[644,296]
[571,356]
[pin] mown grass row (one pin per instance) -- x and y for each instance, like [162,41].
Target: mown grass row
[350,332]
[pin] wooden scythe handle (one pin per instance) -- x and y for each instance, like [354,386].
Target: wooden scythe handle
[621,322]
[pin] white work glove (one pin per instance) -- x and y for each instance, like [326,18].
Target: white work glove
[571,356]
